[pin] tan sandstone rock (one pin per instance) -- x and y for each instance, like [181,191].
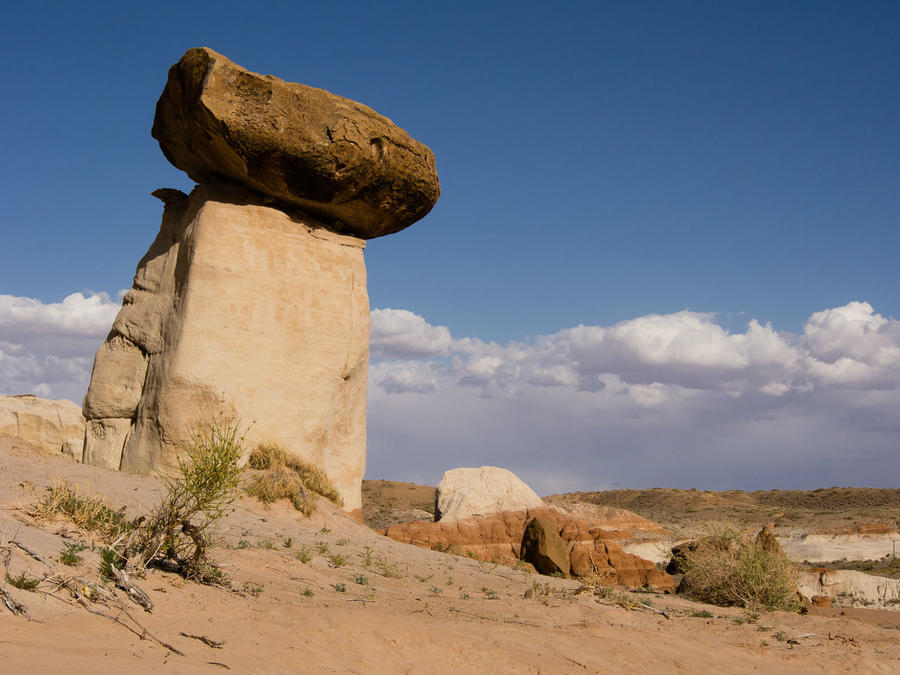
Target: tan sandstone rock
[242,309]
[337,159]
[466,492]
[52,426]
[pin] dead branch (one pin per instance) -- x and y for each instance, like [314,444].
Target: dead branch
[289,575]
[143,634]
[215,644]
[134,592]
[495,618]
[34,554]
[12,604]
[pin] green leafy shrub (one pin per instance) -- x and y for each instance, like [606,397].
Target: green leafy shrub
[729,568]
[285,476]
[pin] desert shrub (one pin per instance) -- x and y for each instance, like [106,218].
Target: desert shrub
[729,568]
[178,532]
[285,476]
[23,581]
[90,513]
[68,555]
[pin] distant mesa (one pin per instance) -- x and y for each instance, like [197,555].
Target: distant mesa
[336,159]
[252,301]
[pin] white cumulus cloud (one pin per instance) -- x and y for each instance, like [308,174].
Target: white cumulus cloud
[47,348]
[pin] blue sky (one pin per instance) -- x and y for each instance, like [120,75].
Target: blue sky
[599,162]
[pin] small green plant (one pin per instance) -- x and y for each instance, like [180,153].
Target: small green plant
[23,582]
[464,596]
[340,588]
[286,476]
[435,591]
[252,588]
[303,554]
[287,543]
[781,636]
[307,592]
[68,554]
[267,544]
[244,543]
[489,593]
[763,643]
[321,548]
[450,581]
[389,570]
[325,530]
[109,558]
[361,579]
[343,541]
[702,614]
[366,557]
[337,560]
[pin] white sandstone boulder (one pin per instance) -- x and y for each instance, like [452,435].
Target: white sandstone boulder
[487,490]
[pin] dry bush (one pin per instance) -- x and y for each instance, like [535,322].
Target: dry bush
[285,476]
[92,513]
[729,568]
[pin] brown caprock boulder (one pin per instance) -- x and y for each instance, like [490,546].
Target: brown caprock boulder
[543,548]
[335,158]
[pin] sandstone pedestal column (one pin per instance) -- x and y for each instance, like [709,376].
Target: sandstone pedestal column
[252,300]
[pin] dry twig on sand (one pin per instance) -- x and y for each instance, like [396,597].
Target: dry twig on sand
[215,644]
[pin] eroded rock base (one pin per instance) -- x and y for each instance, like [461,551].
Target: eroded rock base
[237,309]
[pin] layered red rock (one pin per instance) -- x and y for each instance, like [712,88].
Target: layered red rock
[592,547]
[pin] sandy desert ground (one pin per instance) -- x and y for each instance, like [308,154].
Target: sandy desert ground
[364,603]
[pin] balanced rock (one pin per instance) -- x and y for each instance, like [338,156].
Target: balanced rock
[251,303]
[467,492]
[544,548]
[52,426]
[335,158]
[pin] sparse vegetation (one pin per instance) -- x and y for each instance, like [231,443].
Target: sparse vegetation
[23,581]
[387,569]
[68,554]
[729,568]
[361,579]
[285,476]
[91,514]
[340,588]
[337,560]
[178,532]
[252,588]
[304,554]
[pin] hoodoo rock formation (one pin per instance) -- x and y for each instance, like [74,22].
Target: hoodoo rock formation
[252,300]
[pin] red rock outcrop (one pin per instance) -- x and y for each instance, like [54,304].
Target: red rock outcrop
[592,547]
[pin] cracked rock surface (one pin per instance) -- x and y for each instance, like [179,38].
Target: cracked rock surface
[337,159]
